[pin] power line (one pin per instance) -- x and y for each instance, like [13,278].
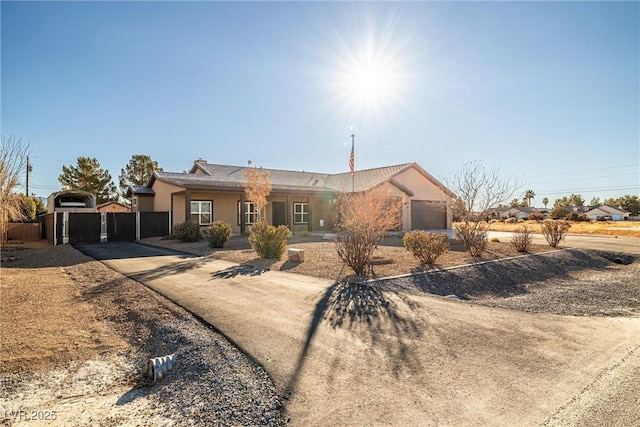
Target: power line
[585,170]
[573,191]
[54,160]
[582,179]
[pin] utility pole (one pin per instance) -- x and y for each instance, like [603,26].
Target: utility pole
[29,169]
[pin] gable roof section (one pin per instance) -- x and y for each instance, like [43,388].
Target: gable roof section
[205,175]
[606,210]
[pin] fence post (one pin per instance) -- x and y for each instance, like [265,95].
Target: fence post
[103,227]
[137,225]
[169,223]
[55,229]
[65,228]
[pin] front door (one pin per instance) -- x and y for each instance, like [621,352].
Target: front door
[279,213]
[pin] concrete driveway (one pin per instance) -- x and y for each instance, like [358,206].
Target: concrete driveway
[358,355]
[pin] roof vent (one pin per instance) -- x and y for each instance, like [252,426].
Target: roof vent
[201,160]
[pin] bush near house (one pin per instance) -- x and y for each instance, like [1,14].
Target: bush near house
[554,231]
[218,234]
[187,231]
[426,247]
[521,240]
[268,241]
[473,237]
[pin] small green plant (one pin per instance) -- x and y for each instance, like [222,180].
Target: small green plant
[521,240]
[268,241]
[554,231]
[187,231]
[306,234]
[426,247]
[218,234]
[494,240]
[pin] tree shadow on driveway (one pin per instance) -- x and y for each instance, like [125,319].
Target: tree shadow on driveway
[381,319]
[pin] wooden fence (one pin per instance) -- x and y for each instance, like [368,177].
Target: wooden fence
[26,232]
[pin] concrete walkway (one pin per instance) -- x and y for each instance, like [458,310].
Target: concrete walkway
[347,355]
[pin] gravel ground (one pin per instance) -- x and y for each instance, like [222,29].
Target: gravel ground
[575,282]
[76,338]
[321,259]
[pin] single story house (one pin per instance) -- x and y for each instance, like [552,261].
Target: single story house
[304,201]
[112,206]
[71,201]
[616,214]
[519,212]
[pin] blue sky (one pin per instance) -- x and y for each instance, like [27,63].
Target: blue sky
[548,91]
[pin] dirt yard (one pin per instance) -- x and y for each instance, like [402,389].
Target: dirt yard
[75,340]
[608,228]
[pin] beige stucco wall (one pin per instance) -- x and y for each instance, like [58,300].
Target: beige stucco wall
[144,204]
[112,207]
[162,198]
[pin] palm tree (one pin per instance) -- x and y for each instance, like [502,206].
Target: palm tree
[528,195]
[545,202]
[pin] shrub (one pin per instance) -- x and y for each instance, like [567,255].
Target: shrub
[187,231]
[521,240]
[554,231]
[218,234]
[559,212]
[268,241]
[510,220]
[364,219]
[494,240]
[473,237]
[426,247]
[536,216]
[306,234]
[575,216]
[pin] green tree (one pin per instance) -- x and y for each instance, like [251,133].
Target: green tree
[528,195]
[545,202]
[138,171]
[595,201]
[572,200]
[514,203]
[559,212]
[627,202]
[89,176]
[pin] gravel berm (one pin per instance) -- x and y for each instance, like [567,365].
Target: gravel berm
[575,282]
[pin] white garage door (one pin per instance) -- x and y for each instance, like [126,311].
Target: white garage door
[428,215]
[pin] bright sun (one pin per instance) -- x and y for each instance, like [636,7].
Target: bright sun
[370,77]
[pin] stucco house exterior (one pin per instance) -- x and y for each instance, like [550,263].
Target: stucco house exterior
[112,206]
[304,201]
[616,214]
[519,212]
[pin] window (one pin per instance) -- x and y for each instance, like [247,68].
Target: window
[201,212]
[250,214]
[300,213]
[134,201]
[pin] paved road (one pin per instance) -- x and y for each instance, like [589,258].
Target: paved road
[349,356]
[585,241]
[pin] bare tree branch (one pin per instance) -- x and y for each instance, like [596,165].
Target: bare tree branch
[13,158]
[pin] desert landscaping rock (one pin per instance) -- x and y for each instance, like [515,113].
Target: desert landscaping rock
[99,378]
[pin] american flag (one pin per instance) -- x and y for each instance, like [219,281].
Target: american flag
[351,158]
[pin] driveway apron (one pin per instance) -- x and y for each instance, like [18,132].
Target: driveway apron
[345,354]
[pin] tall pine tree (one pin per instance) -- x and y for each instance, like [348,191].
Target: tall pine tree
[89,176]
[138,171]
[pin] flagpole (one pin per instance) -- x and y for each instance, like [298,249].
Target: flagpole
[352,164]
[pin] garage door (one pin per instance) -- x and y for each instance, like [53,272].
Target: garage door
[426,215]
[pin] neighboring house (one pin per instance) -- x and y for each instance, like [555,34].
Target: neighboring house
[615,213]
[304,201]
[520,212]
[71,201]
[112,207]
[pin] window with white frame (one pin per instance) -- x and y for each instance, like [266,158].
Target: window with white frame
[300,213]
[250,213]
[134,201]
[201,212]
